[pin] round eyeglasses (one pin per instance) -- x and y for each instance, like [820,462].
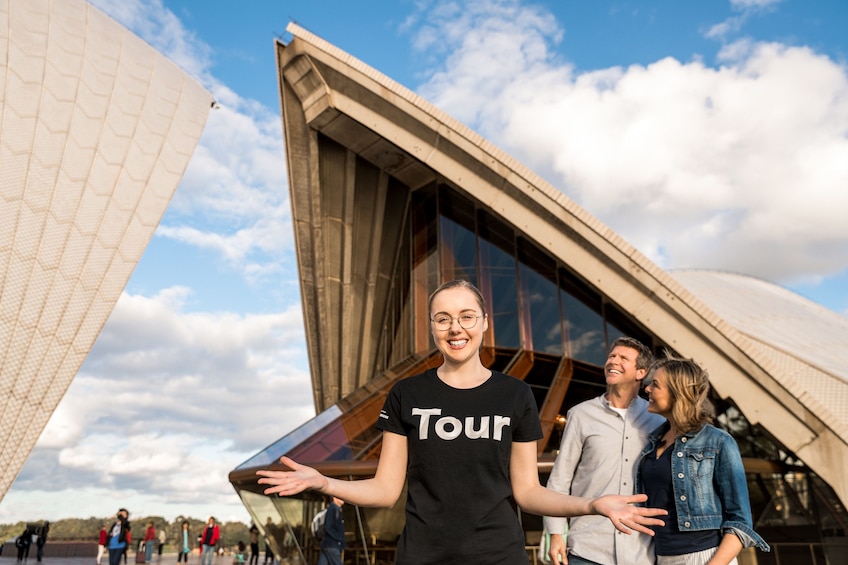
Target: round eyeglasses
[466,321]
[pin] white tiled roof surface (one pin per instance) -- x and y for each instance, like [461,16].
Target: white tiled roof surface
[806,342]
[96,130]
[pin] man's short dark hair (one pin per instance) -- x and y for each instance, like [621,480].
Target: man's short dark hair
[645,356]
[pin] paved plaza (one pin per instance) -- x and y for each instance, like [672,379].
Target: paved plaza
[164,559]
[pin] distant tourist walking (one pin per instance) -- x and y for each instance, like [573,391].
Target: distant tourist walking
[184,543]
[162,539]
[101,544]
[129,543]
[42,539]
[254,545]
[210,536]
[333,541]
[149,541]
[270,528]
[269,554]
[22,542]
[118,537]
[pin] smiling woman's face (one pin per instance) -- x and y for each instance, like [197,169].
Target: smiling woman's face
[660,400]
[456,343]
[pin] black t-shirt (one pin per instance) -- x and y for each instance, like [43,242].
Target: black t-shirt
[459,506]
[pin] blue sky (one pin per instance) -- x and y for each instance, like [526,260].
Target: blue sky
[708,134]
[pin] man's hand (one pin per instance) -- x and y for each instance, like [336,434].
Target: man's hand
[557,549]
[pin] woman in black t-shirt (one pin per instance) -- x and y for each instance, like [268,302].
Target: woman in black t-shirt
[465,438]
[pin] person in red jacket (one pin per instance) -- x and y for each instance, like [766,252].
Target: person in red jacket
[101,544]
[149,542]
[211,533]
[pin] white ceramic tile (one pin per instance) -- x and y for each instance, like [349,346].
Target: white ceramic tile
[80,95]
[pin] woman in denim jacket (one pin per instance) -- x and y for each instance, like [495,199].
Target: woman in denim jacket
[694,470]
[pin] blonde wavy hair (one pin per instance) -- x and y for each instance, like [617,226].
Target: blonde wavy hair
[689,385]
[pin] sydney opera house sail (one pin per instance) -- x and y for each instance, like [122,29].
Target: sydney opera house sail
[96,131]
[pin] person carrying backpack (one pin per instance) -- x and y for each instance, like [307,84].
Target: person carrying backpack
[22,542]
[333,541]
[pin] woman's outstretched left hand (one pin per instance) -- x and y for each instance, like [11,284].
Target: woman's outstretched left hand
[287,483]
[625,516]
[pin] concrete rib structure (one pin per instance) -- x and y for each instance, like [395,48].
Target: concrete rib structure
[96,131]
[344,248]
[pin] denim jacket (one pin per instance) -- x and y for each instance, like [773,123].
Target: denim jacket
[708,480]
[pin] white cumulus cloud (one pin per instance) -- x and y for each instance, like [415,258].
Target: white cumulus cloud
[169,402]
[740,165]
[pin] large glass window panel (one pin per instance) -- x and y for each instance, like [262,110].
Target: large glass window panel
[539,300]
[458,208]
[619,325]
[787,507]
[584,326]
[587,382]
[499,280]
[396,341]
[613,333]
[832,515]
[540,295]
[333,442]
[425,261]
[280,521]
[394,280]
[459,252]
[424,213]
[457,237]
[752,440]
[293,439]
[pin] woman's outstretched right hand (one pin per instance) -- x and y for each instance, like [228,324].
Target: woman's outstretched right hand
[298,479]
